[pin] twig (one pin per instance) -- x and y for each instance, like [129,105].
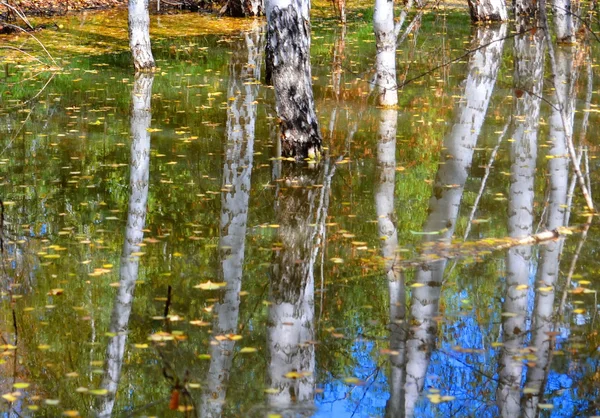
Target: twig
[36,39]
[168,302]
[566,126]
[488,168]
[18,13]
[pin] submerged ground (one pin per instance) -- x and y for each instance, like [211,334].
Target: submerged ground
[159,259]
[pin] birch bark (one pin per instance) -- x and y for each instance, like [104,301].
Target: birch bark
[488,10]
[385,65]
[288,64]
[139,35]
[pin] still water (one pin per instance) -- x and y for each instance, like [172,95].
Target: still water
[159,259]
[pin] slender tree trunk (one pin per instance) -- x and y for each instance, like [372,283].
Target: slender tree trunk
[547,274]
[385,66]
[444,205]
[563,21]
[136,219]
[288,55]
[488,10]
[529,53]
[139,35]
[244,69]
[290,330]
[388,235]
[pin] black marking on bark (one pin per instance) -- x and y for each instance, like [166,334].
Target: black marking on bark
[288,48]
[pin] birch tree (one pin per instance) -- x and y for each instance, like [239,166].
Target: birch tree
[139,35]
[563,21]
[529,53]
[488,10]
[444,205]
[288,63]
[547,274]
[136,219]
[385,65]
[244,71]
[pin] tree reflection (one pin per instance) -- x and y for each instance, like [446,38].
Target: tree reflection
[444,205]
[301,210]
[387,231]
[547,273]
[139,166]
[528,79]
[244,70]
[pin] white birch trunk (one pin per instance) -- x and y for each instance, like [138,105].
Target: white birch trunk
[136,219]
[139,35]
[563,21]
[444,205]
[528,79]
[488,10]
[385,66]
[288,62]
[244,71]
[547,274]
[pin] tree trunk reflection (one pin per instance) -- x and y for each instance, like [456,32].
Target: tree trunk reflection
[244,71]
[528,77]
[448,188]
[136,219]
[547,274]
[301,209]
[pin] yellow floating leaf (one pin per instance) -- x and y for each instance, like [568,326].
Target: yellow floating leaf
[99,392]
[71,413]
[210,285]
[21,385]
[248,350]
[353,381]
[9,397]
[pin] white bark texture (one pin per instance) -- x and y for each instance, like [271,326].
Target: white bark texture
[136,219]
[139,35]
[488,10]
[288,60]
[563,21]
[444,205]
[290,330]
[547,273]
[385,66]
[244,72]
[528,78]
